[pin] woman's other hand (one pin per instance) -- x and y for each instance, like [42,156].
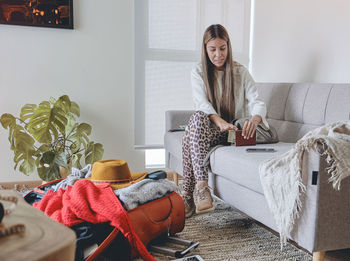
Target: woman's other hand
[225,126]
[250,126]
[221,123]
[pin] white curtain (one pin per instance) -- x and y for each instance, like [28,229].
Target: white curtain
[168,37]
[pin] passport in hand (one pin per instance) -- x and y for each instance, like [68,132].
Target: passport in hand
[235,137]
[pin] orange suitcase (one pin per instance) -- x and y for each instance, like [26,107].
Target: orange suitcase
[151,220]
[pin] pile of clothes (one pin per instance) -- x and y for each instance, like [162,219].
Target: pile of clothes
[95,200]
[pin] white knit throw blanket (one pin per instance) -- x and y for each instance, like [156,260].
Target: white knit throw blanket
[281,176]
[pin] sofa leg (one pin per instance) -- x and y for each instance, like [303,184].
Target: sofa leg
[318,256]
[176,178]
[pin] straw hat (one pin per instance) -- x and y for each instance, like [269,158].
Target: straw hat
[115,172]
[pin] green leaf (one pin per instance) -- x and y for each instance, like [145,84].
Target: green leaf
[81,136]
[68,106]
[59,119]
[25,160]
[75,147]
[74,108]
[63,103]
[48,157]
[52,100]
[27,111]
[37,161]
[47,122]
[61,160]
[49,173]
[76,160]
[49,169]
[94,152]
[43,148]
[28,166]
[7,120]
[71,124]
[23,141]
[84,128]
[12,135]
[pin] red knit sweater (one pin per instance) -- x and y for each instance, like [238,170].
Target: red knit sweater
[95,204]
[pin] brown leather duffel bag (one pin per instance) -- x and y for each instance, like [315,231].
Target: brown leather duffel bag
[164,215]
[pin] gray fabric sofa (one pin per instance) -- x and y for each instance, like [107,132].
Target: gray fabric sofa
[293,109]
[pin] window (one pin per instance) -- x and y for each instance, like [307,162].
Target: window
[168,36]
[155,159]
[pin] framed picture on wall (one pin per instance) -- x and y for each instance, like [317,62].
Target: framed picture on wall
[45,13]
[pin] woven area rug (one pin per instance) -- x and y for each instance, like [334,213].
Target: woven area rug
[227,235]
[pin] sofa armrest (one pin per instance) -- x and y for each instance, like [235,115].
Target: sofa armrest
[175,118]
[324,220]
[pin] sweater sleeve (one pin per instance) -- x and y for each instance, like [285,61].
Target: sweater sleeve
[255,105]
[198,93]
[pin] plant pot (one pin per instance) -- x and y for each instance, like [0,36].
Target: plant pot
[65,172]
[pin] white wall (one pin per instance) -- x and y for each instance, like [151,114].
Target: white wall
[301,41]
[93,64]
[294,41]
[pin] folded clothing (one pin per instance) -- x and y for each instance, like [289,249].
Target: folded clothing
[144,191]
[73,177]
[131,197]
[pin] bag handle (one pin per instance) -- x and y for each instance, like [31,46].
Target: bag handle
[102,247]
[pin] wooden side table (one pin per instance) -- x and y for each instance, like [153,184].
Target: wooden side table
[43,239]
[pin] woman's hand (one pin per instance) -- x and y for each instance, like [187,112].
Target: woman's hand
[225,126]
[221,123]
[250,126]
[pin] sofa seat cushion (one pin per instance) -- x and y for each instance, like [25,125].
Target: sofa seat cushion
[225,159]
[241,167]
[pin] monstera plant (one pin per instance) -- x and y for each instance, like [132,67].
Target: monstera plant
[48,136]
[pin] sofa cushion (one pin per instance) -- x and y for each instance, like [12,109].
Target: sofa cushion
[241,167]
[338,105]
[289,131]
[301,107]
[275,96]
[316,103]
[295,102]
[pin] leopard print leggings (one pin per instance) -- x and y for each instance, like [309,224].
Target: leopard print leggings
[200,136]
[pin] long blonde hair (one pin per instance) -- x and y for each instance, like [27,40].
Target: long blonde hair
[226,107]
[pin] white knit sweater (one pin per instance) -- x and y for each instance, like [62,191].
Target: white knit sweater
[247,100]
